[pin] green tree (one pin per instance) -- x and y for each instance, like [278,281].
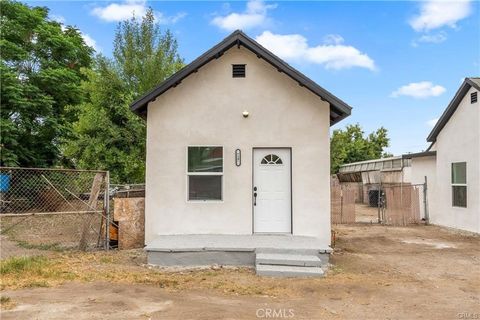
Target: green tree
[107,134]
[144,54]
[40,76]
[350,145]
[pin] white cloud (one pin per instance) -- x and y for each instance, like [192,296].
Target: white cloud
[123,11]
[423,89]
[255,15]
[57,18]
[162,19]
[89,41]
[333,54]
[333,39]
[431,38]
[439,13]
[120,11]
[431,123]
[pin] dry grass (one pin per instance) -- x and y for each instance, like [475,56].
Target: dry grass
[126,267]
[116,267]
[6,303]
[378,271]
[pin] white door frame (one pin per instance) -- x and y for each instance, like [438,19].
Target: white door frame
[253,184]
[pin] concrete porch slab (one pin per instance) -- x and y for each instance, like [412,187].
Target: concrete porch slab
[229,250]
[237,243]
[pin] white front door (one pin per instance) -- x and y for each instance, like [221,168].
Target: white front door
[272,209]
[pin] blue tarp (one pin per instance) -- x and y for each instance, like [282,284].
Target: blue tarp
[4,182]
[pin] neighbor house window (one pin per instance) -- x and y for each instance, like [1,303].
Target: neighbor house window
[205,173]
[459,184]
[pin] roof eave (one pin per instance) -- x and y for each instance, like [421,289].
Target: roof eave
[452,106]
[238,38]
[419,154]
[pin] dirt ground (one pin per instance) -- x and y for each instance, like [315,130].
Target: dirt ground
[45,231]
[365,214]
[377,272]
[10,248]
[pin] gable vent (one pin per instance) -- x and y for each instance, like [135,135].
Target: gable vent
[238,70]
[473,97]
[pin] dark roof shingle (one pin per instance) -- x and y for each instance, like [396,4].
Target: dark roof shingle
[452,106]
[338,109]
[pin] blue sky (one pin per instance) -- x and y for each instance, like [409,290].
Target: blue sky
[398,64]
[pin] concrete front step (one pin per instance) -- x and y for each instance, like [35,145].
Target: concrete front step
[288,271]
[295,251]
[288,259]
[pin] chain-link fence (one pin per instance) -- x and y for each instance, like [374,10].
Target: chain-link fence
[52,209]
[128,190]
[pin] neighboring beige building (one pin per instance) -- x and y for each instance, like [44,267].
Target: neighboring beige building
[238,144]
[370,175]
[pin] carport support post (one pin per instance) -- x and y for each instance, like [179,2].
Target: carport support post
[425,203]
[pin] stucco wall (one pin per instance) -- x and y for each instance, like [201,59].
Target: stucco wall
[459,141]
[425,167]
[206,109]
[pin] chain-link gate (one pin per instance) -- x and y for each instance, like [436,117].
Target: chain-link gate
[52,209]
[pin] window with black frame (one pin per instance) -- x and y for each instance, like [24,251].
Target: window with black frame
[459,184]
[205,173]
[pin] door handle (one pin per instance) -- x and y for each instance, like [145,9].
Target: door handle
[255,196]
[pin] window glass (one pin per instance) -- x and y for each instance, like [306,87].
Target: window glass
[459,173]
[205,159]
[271,159]
[459,196]
[205,187]
[205,173]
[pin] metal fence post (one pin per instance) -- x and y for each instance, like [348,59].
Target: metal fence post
[107,210]
[379,201]
[341,205]
[425,202]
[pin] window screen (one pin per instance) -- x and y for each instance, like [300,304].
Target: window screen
[204,187]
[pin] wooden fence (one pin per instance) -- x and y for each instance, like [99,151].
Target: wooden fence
[342,203]
[403,204]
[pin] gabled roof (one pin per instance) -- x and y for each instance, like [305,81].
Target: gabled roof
[338,109]
[447,114]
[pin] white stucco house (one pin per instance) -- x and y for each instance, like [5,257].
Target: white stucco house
[452,162]
[238,162]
